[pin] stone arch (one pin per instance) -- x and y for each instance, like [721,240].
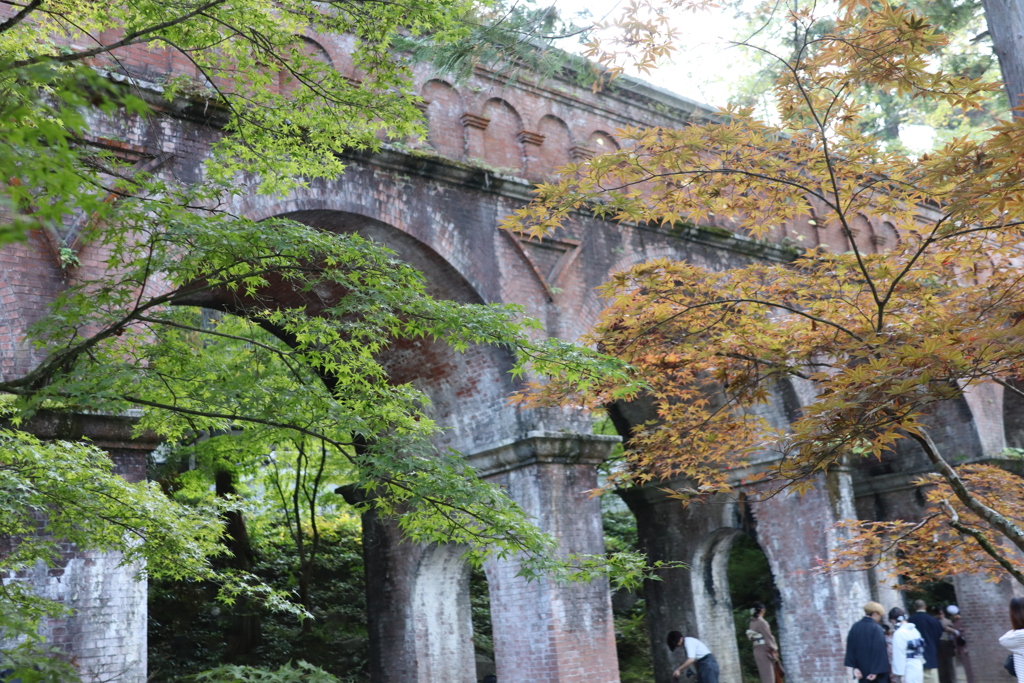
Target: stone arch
[602,142]
[468,391]
[555,150]
[311,49]
[442,624]
[444,107]
[885,236]
[502,146]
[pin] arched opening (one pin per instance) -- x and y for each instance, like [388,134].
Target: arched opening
[483,630]
[729,574]
[294,529]
[750,581]
[454,639]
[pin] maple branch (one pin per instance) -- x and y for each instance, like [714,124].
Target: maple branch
[775,304]
[980,228]
[983,541]
[1007,385]
[20,16]
[128,40]
[234,417]
[997,521]
[917,255]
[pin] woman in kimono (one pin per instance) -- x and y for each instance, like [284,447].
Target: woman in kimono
[907,649]
[766,650]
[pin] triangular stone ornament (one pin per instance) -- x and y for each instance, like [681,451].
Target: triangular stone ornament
[548,257]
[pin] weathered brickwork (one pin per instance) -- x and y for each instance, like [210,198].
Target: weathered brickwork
[438,201]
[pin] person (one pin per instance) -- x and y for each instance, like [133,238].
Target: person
[697,653]
[907,649]
[766,650]
[947,648]
[865,646]
[1013,640]
[931,631]
[963,654]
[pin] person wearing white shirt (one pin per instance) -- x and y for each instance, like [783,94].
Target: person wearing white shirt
[698,654]
[1013,640]
[907,649]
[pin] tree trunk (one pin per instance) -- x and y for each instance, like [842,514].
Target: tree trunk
[248,629]
[1006,26]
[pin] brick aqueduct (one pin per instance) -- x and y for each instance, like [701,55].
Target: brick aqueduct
[438,202]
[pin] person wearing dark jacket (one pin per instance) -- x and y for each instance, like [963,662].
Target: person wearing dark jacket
[931,631]
[865,647]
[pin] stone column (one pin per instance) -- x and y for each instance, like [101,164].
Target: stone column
[544,632]
[418,610]
[985,615]
[105,634]
[695,601]
[795,531]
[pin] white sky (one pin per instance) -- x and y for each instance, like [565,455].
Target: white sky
[706,66]
[703,65]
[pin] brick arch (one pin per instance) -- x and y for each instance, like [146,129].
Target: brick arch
[311,48]
[554,151]
[352,199]
[468,391]
[601,142]
[886,236]
[502,147]
[444,109]
[862,231]
[342,57]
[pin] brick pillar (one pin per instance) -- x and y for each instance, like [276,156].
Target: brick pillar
[670,532]
[106,632]
[475,127]
[984,616]
[543,632]
[531,145]
[418,609]
[817,610]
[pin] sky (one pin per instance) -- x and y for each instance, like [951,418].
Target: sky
[706,66]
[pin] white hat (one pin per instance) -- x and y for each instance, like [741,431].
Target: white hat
[952,609]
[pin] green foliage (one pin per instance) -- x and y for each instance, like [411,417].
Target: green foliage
[480,604]
[633,645]
[515,38]
[59,492]
[632,638]
[189,630]
[300,672]
[30,661]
